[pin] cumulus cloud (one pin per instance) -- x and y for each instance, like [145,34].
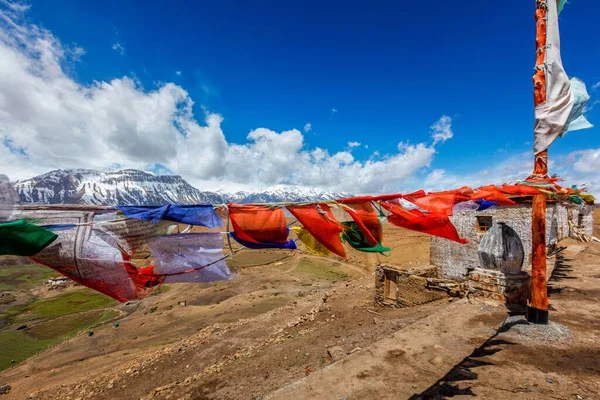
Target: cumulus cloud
[587,161]
[442,129]
[512,168]
[307,127]
[581,168]
[118,47]
[435,177]
[353,144]
[48,120]
[576,168]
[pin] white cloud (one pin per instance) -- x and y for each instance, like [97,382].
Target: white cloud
[576,168]
[587,161]
[178,73]
[435,177]
[333,111]
[353,144]
[513,168]
[48,121]
[442,129]
[581,168]
[596,85]
[118,47]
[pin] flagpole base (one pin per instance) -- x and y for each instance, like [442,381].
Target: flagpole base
[537,316]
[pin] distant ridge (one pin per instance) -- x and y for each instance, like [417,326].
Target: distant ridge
[134,187]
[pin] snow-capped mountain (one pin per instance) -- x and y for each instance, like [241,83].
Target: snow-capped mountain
[134,187]
[282,193]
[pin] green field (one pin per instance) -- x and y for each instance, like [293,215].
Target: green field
[63,304]
[19,345]
[49,320]
[319,269]
[65,326]
[24,276]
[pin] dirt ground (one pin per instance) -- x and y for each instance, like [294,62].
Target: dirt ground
[266,334]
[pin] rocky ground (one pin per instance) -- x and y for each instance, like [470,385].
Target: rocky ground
[333,342]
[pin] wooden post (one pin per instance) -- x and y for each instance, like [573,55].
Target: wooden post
[537,309]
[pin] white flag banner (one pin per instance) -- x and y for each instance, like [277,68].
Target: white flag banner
[565,99]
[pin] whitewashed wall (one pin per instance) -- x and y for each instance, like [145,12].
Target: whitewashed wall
[453,259]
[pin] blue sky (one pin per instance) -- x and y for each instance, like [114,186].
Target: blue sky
[378,73]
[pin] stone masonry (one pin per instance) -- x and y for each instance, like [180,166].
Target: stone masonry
[453,260]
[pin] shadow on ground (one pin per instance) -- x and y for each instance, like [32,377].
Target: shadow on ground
[562,268]
[448,385]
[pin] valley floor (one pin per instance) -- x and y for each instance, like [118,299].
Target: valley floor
[273,331]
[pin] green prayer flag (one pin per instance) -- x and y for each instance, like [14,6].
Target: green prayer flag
[355,238]
[22,238]
[561,4]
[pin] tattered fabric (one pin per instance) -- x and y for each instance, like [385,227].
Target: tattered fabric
[130,235]
[492,193]
[309,241]
[565,99]
[440,203]
[258,224]
[355,237]
[367,221]
[22,238]
[465,206]
[8,198]
[91,262]
[58,227]
[432,224]
[289,245]
[190,257]
[519,190]
[484,205]
[320,222]
[144,278]
[186,214]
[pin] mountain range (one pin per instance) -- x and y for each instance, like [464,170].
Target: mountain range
[135,187]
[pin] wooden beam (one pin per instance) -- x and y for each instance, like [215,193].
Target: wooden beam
[537,310]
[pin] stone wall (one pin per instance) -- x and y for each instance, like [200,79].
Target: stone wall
[587,218]
[453,260]
[406,288]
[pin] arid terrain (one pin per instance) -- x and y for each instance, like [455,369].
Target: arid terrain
[291,325]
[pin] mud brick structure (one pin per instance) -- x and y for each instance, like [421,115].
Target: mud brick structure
[454,261]
[404,288]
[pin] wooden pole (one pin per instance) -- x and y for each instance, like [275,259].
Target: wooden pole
[537,309]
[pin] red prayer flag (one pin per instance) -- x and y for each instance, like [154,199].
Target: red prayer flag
[432,224]
[258,224]
[320,222]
